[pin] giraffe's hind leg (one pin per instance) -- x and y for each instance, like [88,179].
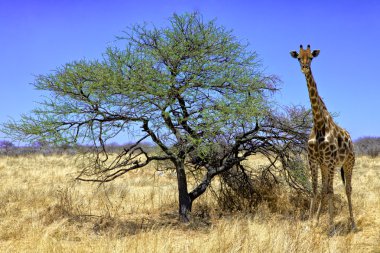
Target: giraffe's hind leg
[347,168]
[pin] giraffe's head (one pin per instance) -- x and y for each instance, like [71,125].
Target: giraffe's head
[305,56]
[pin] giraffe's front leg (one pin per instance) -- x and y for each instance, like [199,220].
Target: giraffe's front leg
[330,196]
[313,165]
[323,191]
[314,180]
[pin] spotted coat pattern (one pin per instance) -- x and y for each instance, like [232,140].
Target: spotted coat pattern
[329,146]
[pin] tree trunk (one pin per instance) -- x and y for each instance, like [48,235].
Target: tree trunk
[185,202]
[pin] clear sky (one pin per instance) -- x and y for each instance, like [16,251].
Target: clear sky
[36,37]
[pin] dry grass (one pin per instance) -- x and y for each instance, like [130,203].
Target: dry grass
[42,209]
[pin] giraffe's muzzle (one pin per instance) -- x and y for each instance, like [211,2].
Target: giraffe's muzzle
[305,69]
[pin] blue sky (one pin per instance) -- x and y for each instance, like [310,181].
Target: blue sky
[36,37]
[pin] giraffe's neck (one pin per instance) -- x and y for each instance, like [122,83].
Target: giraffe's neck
[317,105]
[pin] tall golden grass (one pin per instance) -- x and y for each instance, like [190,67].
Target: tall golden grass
[43,209]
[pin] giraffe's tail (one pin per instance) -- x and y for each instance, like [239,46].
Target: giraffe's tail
[342,175]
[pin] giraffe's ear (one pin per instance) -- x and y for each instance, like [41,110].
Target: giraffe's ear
[294,54]
[315,53]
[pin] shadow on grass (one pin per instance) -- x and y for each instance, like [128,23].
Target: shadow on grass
[124,226]
[343,228]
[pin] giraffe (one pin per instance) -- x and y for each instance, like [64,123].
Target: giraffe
[329,146]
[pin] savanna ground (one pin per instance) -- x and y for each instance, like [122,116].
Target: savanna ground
[43,209]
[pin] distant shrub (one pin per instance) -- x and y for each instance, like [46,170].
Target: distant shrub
[6,147]
[369,146]
[9,149]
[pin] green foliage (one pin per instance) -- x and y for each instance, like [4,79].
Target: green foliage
[192,80]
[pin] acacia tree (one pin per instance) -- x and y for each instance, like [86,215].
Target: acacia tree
[191,88]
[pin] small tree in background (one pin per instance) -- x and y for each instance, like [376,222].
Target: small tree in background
[6,147]
[368,146]
[192,88]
